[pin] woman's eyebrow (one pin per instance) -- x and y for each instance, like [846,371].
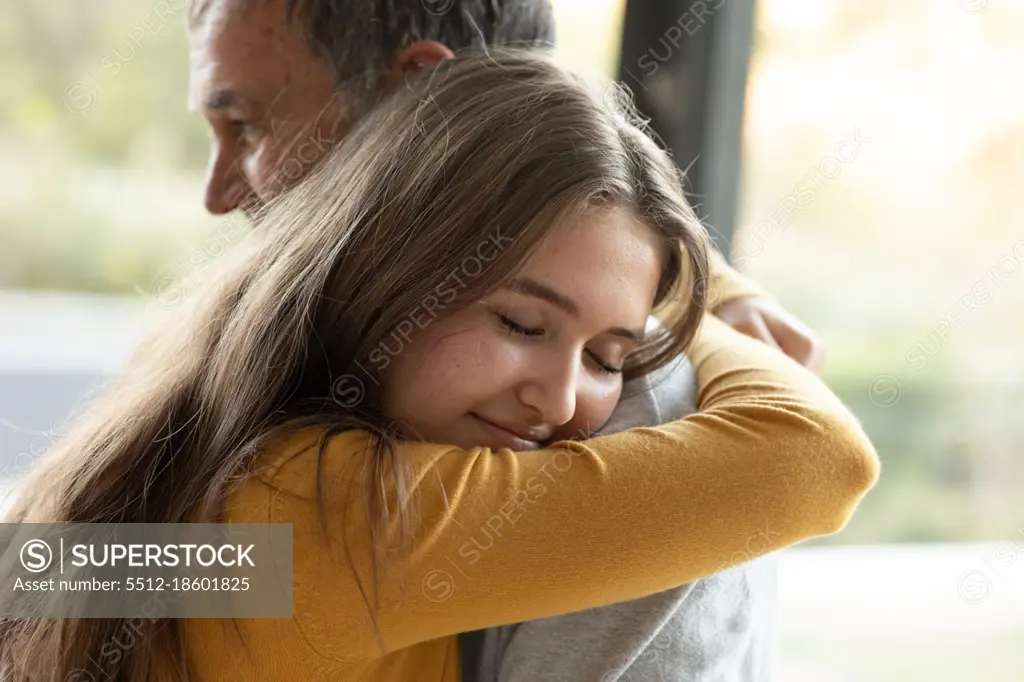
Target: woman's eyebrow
[531,287]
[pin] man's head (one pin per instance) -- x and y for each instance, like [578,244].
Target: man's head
[279,82]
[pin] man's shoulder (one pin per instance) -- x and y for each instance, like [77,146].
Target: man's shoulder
[674,388]
[667,394]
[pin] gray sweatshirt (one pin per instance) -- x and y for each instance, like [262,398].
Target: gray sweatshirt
[718,629]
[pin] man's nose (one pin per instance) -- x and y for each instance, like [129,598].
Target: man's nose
[226,188]
[552,391]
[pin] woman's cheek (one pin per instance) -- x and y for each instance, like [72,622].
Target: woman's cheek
[458,357]
[502,360]
[602,410]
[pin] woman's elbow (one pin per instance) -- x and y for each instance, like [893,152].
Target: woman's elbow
[853,470]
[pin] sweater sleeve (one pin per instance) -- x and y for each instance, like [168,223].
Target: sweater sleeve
[771,459]
[727,284]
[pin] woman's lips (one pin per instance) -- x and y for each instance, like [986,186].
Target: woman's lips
[506,438]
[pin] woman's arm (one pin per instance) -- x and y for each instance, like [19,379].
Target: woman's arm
[771,459]
[728,284]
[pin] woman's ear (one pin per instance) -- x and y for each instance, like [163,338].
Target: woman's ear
[414,57]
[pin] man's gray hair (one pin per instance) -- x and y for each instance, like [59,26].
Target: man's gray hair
[357,37]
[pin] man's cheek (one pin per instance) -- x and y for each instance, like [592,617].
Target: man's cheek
[272,169]
[259,171]
[284,172]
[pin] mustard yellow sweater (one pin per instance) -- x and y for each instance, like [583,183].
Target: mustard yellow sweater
[728,284]
[772,458]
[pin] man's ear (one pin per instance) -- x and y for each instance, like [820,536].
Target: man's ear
[414,57]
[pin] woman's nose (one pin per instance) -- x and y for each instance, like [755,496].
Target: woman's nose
[552,391]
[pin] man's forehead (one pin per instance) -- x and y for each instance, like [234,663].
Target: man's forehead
[219,84]
[234,55]
[251,21]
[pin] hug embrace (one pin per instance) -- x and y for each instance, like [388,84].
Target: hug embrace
[472,358]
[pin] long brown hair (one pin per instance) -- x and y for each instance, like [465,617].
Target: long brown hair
[506,144]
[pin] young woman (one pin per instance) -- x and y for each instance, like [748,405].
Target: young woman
[490,241]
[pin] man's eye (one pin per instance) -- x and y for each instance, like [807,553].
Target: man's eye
[244,130]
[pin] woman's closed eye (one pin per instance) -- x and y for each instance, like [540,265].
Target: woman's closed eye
[515,329]
[602,366]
